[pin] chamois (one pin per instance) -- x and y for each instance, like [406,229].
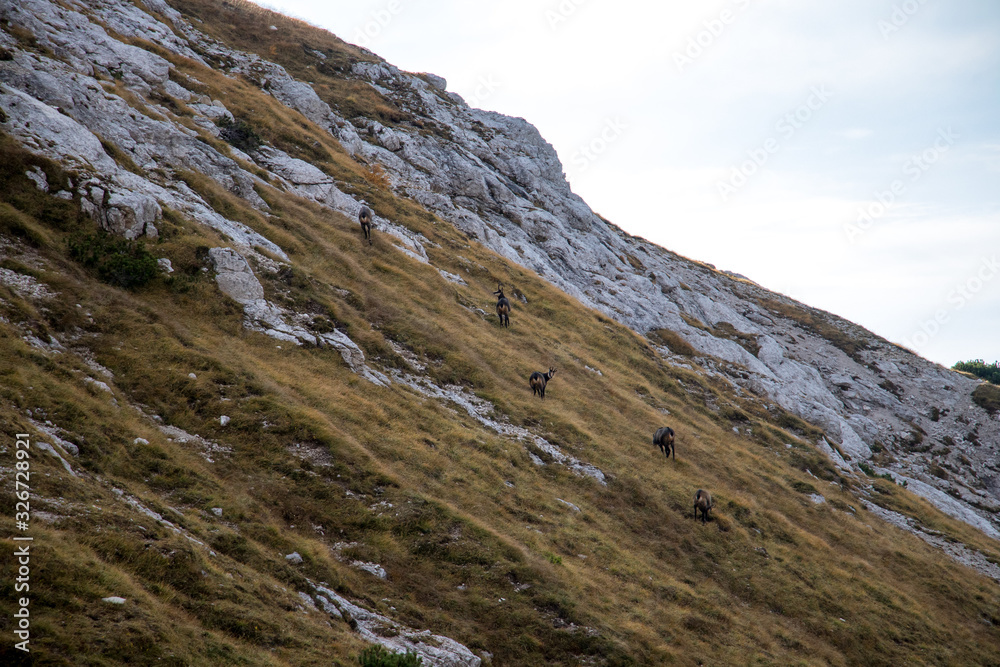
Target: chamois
[365,218]
[664,438]
[703,502]
[537,381]
[503,306]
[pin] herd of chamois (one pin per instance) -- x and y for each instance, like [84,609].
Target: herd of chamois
[663,438]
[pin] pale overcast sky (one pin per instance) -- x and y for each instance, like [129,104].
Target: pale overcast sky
[758,135]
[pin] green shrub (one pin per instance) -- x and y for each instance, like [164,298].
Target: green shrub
[377,655]
[979,368]
[117,261]
[238,133]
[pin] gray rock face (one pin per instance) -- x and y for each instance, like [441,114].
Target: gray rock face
[432,649]
[234,277]
[499,181]
[236,280]
[131,214]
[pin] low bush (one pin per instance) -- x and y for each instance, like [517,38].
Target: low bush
[117,261]
[238,133]
[376,655]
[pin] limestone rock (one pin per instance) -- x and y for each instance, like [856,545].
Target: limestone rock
[236,279]
[234,276]
[438,82]
[131,215]
[38,177]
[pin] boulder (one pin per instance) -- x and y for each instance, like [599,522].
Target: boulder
[131,214]
[234,276]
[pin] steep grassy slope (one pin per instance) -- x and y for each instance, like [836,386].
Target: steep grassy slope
[478,541]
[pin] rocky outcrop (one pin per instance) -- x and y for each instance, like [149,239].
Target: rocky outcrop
[398,638]
[236,280]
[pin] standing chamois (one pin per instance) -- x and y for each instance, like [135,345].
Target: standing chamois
[703,502]
[365,218]
[503,306]
[537,381]
[664,438]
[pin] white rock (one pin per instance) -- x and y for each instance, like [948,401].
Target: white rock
[131,215]
[113,600]
[432,649]
[451,277]
[294,558]
[38,177]
[236,279]
[234,276]
[46,447]
[569,504]
[372,568]
[223,420]
[98,384]
[438,82]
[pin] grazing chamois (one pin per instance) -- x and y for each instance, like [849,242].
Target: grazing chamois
[703,502]
[365,218]
[664,438]
[503,306]
[537,381]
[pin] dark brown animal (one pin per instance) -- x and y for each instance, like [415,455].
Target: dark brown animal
[537,381]
[702,503]
[365,218]
[664,438]
[503,307]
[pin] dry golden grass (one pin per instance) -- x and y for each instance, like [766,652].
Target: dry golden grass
[630,579]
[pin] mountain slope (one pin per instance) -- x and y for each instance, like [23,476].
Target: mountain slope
[498,181]
[288,389]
